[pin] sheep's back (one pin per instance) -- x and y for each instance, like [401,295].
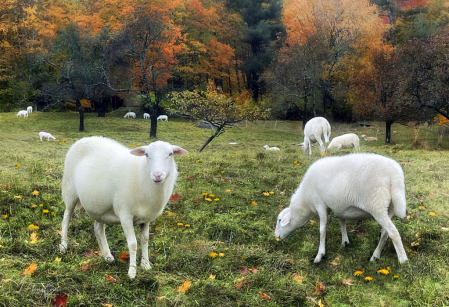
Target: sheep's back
[351,180]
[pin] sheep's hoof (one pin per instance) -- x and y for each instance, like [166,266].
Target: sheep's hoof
[109,258]
[145,264]
[318,258]
[344,243]
[132,272]
[62,248]
[373,258]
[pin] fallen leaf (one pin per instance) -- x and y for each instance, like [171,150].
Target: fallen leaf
[198,200]
[431,195]
[106,305]
[224,180]
[33,236]
[88,253]
[184,287]
[160,298]
[253,270]
[31,269]
[6,280]
[297,278]
[190,178]
[404,162]
[57,259]
[240,283]
[265,297]
[417,235]
[7,186]
[320,304]
[61,301]
[174,197]
[97,253]
[319,287]
[111,279]
[59,232]
[243,270]
[335,263]
[212,276]
[124,257]
[312,299]
[347,282]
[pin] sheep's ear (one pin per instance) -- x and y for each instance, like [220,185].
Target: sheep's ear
[139,151]
[285,219]
[179,151]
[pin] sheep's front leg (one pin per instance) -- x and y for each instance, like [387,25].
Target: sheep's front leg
[128,229]
[99,229]
[323,224]
[344,234]
[144,236]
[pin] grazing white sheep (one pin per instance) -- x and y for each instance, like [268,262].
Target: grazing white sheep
[146,116]
[47,135]
[369,138]
[270,148]
[118,186]
[314,129]
[23,113]
[29,109]
[162,117]
[130,114]
[355,186]
[345,141]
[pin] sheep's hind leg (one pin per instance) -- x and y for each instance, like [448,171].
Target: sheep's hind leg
[70,207]
[128,229]
[322,148]
[99,229]
[144,236]
[389,228]
[344,234]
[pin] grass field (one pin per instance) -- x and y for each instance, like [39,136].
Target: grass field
[250,267]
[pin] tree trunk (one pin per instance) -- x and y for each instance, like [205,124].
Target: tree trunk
[388,124]
[81,111]
[153,128]
[217,132]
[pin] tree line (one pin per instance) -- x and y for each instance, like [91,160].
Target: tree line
[379,59]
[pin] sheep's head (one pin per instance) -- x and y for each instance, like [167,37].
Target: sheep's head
[159,157]
[287,222]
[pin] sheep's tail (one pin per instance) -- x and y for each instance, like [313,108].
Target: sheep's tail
[398,196]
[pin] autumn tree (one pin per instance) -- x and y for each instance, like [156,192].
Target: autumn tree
[422,74]
[262,34]
[220,110]
[145,49]
[75,72]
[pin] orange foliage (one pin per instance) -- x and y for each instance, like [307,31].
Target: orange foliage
[441,120]
[411,4]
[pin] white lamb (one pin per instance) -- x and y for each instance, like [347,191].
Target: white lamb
[355,186]
[345,141]
[146,116]
[314,129]
[23,113]
[130,114]
[47,135]
[162,117]
[270,148]
[29,109]
[118,186]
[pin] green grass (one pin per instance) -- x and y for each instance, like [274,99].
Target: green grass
[240,224]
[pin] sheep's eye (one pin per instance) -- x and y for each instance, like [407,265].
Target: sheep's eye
[170,154]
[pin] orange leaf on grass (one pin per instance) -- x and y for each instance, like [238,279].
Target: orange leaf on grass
[297,278]
[319,287]
[31,269]
[174,197]
[61,301]
[243,270]
[347,282]
[253,270]
[7,186]
[124,257]
[111,279]
[184,287]
[190,178]
[265,297]
[88,253]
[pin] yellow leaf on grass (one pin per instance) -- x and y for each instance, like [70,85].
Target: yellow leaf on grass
[297,278]
[33,238]
[57,259]
[30,270]
[184,288]
[212,276]
[347,282]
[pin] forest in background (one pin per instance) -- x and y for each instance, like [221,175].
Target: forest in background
[343,59]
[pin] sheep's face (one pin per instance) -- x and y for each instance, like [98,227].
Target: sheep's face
[159,157]
[287,223]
